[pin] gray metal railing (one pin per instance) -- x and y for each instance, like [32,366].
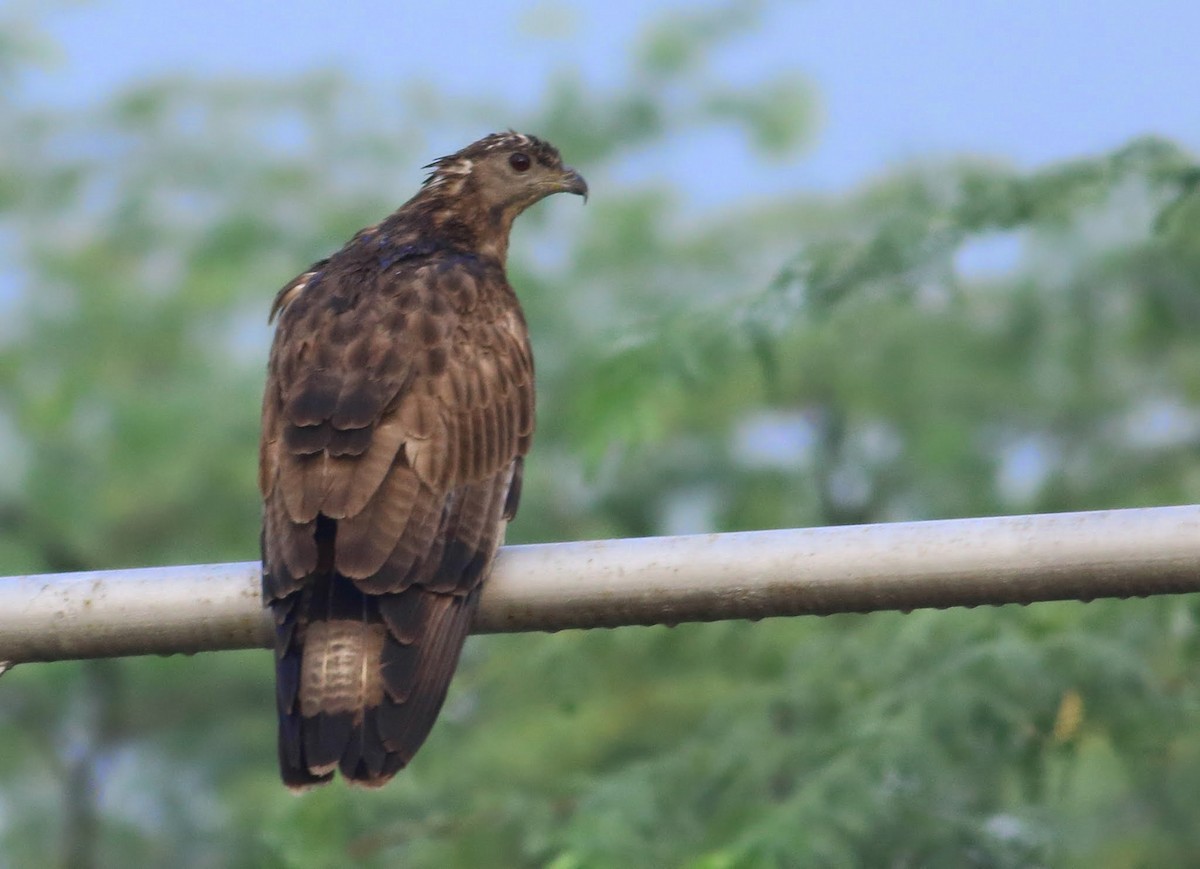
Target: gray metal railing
[657,580]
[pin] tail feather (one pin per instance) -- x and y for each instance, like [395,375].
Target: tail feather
[363,664]
[364,757]
[361,678]
[326,735]
[404,724]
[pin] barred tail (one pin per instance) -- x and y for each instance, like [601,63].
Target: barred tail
[361,677]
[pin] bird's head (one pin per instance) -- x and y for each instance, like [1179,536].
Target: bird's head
[503,174]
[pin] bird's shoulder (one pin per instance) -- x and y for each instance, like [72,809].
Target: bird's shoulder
[392,275]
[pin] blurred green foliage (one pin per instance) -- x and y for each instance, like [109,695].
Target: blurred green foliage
[954,338]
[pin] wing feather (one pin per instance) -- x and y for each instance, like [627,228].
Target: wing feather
[368,471]
[367,538]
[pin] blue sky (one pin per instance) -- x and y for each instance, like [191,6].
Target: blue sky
[1028,81]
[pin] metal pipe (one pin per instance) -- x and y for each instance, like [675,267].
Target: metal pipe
[660,580]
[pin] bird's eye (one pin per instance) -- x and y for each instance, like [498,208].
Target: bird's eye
[520,162]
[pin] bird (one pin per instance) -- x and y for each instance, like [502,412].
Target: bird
[397,413]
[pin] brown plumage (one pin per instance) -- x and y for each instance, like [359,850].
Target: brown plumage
[398,408]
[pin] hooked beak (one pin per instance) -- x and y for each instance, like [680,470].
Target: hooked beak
[573,182]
